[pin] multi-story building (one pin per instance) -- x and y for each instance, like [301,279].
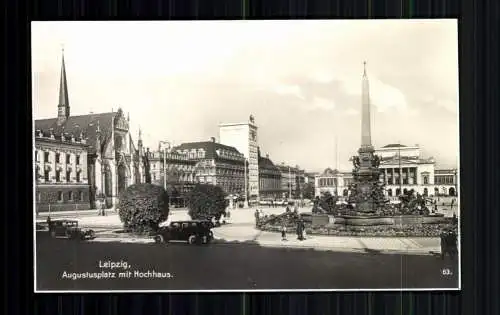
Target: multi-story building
[243,137]
[445,182]
[61,172]
[291,178]
[216,164]
[113,162]
[334,181]
[402,168]
[269,179]
[180,173]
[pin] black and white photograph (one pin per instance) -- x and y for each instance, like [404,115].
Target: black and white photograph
[239,156]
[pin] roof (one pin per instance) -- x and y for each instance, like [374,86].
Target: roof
[265,162]
[86,124]
[209,147]
[394,145]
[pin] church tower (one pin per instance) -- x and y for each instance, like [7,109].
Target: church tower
[63,106]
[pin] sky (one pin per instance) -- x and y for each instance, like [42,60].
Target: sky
[300,79]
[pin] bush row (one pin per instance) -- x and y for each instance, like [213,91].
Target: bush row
[407,230]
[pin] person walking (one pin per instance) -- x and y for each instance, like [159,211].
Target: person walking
[283,231]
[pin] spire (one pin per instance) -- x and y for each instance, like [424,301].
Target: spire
[366,139]
[63,106]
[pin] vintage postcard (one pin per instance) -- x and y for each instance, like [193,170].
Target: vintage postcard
[317,155]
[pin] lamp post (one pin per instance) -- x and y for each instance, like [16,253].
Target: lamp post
[167,146]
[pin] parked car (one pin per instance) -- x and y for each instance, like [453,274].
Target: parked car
[64,228]
[192,232]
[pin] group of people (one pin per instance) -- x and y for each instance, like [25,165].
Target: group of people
[299,230]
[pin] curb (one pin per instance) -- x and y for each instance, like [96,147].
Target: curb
[108,237]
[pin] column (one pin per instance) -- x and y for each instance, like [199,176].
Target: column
[385,176]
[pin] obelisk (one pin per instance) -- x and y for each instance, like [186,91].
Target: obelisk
[366,138]
[366,171]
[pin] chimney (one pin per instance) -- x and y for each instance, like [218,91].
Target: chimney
[213,139]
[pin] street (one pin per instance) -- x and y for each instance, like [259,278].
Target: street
[230,267]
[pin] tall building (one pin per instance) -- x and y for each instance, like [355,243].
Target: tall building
[243,137]
[113,162]
[269,179]
[216,164]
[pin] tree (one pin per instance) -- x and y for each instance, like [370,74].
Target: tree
[206,202]
[143,207]
[308,191]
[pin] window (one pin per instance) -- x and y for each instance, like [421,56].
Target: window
[58,157]
[38,196]
[46,156]
[46,175]
[77,160]
[59,196]
[78,177]
[426,180]
[70,195]
[58,176]
[68,176]
[68,159]
[36,156]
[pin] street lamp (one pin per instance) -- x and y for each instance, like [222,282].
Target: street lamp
[167,146]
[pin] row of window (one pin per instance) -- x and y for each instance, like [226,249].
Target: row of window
[46,158]
[46,176]
[72,196]
[444,179]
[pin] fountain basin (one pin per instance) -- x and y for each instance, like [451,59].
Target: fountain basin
[364,220]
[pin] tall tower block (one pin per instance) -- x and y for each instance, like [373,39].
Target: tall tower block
[243,137]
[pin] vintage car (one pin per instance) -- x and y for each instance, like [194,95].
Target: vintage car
[69,229]
[192,232]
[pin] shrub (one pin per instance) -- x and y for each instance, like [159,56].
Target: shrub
[206,202]
[143,207]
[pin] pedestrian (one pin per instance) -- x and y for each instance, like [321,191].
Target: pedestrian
[49,222]
[283,231]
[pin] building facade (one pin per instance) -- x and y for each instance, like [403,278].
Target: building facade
[61,173]
[290,180]
[216,164]
[402,169]
[333,181]
[244,137]
[269,179]
[113,161]
[180,173]
[445,182]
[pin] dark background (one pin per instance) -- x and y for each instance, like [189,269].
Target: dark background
[479,115]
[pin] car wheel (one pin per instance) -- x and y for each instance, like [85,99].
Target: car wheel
[192,239]
[159,239]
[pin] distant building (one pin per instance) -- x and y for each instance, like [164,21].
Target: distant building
[402,168]
[269,179]
[333,181]
[292,180]
[216,164]
[180,170]
[243,136]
